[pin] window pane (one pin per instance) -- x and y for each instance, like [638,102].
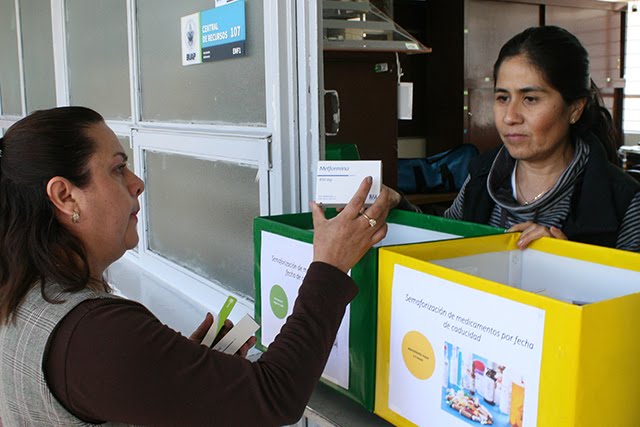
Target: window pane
[9,68]
[230,91]
[37,47]
[98,56]
[201,216]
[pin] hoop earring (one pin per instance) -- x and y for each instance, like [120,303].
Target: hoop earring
[75,217]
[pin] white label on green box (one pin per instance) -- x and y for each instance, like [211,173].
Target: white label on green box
[461,357]
[283,265]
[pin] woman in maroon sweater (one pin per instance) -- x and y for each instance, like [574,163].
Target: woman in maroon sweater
[68,209]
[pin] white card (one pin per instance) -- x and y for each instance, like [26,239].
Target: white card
[338,181]
[237,336]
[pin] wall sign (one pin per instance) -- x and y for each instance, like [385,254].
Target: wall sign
[214,34]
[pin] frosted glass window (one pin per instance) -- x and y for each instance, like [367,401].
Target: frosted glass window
[9,69]
[200,215]
[37,49]
[230,91]
[98,56]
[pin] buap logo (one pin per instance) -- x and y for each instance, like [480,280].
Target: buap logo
[191,31]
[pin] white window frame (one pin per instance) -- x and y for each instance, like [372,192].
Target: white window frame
[310,89]
[23,89]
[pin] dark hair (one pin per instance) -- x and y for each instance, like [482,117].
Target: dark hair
[564,62]
[35,247]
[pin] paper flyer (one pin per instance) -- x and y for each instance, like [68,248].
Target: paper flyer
[283,265]
[461,357]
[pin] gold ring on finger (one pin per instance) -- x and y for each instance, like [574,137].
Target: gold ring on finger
[372,222]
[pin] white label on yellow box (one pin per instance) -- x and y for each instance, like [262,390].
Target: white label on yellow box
[461,357]
[283,265]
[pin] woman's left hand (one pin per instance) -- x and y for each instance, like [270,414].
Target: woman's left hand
[242,351]
[532,231]
[394,197]
[199,334]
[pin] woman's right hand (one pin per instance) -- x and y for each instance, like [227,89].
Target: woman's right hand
[344,239]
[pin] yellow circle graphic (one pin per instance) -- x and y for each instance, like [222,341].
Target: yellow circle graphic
[418,355]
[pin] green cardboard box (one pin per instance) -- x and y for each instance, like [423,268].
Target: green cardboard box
[283,251]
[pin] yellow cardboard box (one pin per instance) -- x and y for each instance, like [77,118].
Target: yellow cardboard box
[476,331]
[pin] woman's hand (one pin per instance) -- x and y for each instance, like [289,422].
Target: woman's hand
[393,200]
[532,231]
[394,197]
[344,239]
[199,334]
[242,351]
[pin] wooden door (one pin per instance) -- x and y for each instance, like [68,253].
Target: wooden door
[366,83]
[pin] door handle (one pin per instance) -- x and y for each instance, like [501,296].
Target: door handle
[333,127]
